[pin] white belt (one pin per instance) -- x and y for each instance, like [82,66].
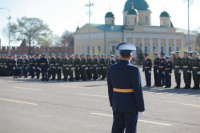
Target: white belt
[177,66]
[57,63]
[185,66]
[64,65]
[195,67]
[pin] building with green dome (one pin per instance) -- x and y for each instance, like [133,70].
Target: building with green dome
[136,29]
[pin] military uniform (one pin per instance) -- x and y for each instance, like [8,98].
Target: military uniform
[83,68]
[77,67]
[186,71]
[19,67]
[44,65]
[147,70]
[71,67]
[125,95]
[25,67]
[37,67]
[103,67]
[161,72]
[95,64]
[168,72]
[89,67]
[14,63]
[10,67]
[195,63]
[177,70]
[58,65]
[155,70]
[32,67]
[65,67]
[52,67]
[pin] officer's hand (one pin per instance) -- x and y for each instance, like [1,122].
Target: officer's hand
[149,71]
[140,114]
[198,72]
[169,73]
[191,72]
[163,73]
[188,71]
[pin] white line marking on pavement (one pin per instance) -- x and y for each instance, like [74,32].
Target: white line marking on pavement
[17,101]
[27,89]
[186,104]
[145,121]
[91,95]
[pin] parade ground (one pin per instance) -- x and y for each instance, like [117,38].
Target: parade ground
[33,106]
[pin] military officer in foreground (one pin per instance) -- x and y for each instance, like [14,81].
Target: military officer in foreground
[147,70]
[161,71]
[125,91]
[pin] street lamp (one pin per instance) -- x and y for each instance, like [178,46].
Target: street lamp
[89,5]
[9,18]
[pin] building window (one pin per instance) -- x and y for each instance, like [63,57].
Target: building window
[146,50]
[162,50]
[177,48]
[146,19]
[137,49]
[99,48]
[170,49]
[154,49]
[113,49]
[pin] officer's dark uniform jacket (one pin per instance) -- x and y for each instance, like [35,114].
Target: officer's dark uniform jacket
[147,65]
[124,75]
[25,63]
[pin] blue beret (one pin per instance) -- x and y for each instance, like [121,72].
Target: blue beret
[162,53]
[177,51]
[167,56]
[195,52]
[112,55]
[71,53]
[65,54]
[156,53]
[77,54]
[125,47]
[146,55]
[186,52]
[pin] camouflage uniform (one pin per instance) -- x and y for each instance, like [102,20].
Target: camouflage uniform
[186,71]
[58,64]
[65,68]
[89,67]
[71,67]
[77,67]
[177,70]
[52,68]
[195,68]
[103,67]
[83,68]
[95,64]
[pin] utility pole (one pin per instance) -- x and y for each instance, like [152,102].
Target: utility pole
[9,18]
[89,5]
[188,42]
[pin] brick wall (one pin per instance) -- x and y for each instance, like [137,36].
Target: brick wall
[37,50]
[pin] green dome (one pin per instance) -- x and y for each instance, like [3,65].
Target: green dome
[138,4]
[132,12]
[109,15]
[164,14]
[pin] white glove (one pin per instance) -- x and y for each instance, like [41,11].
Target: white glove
[163,73]
[33,67]
[157,71]
[149,71]
[198,72]
[14,68]
[188,71]
[169,73]
[191,72]
[140,114]
[180,71]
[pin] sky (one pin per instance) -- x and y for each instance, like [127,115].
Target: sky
[63,15]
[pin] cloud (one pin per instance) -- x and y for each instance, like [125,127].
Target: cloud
[191,2]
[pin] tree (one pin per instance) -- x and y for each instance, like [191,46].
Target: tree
[32,29]
[67,39]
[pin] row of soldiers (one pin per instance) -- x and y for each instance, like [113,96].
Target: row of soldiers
[81,67]
[189,65]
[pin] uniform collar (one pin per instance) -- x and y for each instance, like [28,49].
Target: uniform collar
[124,61]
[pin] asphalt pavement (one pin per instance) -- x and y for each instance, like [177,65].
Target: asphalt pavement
[33,106]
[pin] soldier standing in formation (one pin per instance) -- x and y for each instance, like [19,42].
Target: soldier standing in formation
[37,66]
[52,68]
[147,70]
[77,67]
[195,68]
[44,65]
[71,66]
[19,66]
[186,70]
[58,65]
[10,66]
[32,66]
[177,69]
[65,66]
[95,64]
[25,66]
[155,69]
[83,65]
[168,72]
[89,67]
[161,70]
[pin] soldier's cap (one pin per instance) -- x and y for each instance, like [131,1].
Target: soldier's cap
[195,52]
[88,54]
[52,54]
[190,52]
[167,56]
[24,55]
[103,55]
[186,52]
[59,53]
[98,55]
[177,52]
[146,55]
[162,53]
[155,53]
[117,55]
[112,55]
[125,47]
[71,53]
[94,55]
[84,54]
[77,54]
